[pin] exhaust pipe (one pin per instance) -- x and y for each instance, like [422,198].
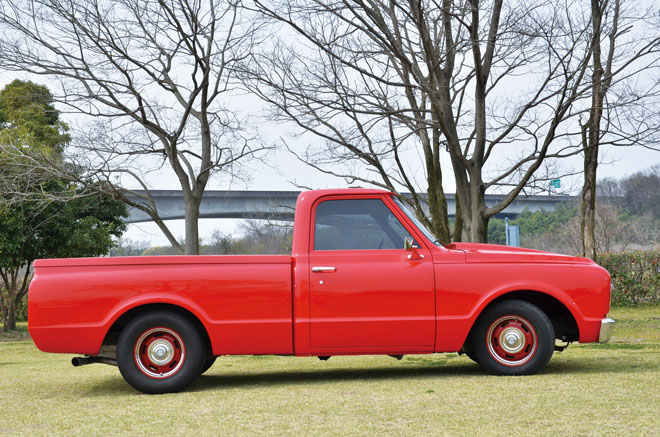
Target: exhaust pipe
[83,361]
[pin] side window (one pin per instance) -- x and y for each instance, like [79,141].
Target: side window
[357,224]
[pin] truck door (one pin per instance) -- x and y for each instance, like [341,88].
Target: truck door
[365,292]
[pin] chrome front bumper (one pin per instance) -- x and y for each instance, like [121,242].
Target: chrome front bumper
[606,328]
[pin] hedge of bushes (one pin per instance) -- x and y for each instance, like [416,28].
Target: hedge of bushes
[635,276]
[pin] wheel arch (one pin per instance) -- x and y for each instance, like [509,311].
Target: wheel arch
[563,321]
[115,329]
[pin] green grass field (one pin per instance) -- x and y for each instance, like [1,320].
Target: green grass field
[611,389]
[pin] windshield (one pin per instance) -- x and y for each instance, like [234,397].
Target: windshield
[428,234]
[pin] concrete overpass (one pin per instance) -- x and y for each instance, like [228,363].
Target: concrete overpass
[280,205]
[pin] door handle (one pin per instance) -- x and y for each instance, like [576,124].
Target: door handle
[323,269]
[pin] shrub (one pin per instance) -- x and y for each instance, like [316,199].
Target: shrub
[21,310]
[635,276]
[21,307]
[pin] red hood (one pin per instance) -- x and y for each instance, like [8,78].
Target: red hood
[492,253]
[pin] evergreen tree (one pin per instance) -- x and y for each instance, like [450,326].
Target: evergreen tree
[49,217]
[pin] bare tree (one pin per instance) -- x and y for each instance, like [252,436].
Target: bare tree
[156,75]
[396,86]
[255,237]
[266,236]
[624,57]
[362,117]
[616,231]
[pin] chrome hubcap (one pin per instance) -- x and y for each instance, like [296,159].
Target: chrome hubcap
[512,340]
[161,352]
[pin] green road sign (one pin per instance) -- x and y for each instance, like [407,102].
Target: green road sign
[555,183]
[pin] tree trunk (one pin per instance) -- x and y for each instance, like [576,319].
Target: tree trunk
[437,199]
[192,226]
[591,131]
[588,219]
[479,230]
[458,221]
[198,184]
[11,316]
[8,301]
[438,209]
[439,215]
[3,310]
[478,224]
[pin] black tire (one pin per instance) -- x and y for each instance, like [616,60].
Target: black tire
[207,364]
[160,352]
[513,337]
[470,353]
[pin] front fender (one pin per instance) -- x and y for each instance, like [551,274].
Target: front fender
[464,291]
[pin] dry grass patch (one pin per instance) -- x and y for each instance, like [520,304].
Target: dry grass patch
[586,390]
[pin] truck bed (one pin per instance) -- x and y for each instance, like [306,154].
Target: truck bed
[244,302]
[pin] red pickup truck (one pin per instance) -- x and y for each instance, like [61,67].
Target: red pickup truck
[365,277]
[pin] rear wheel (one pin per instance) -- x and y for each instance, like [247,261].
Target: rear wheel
[207,364]
[513,337]
[160,352]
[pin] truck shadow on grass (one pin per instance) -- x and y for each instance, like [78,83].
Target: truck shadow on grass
[215,380]
[468,370]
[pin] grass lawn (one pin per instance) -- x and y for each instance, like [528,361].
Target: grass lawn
[611,389]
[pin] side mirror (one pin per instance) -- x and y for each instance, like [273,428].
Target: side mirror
[414,253]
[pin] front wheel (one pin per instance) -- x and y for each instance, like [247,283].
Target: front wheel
[160,352]
[513,337]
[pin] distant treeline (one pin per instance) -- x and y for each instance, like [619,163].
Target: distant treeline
[628,217]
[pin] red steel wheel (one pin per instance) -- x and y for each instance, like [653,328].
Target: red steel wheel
[511,340]
[159,352]
[512,337]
